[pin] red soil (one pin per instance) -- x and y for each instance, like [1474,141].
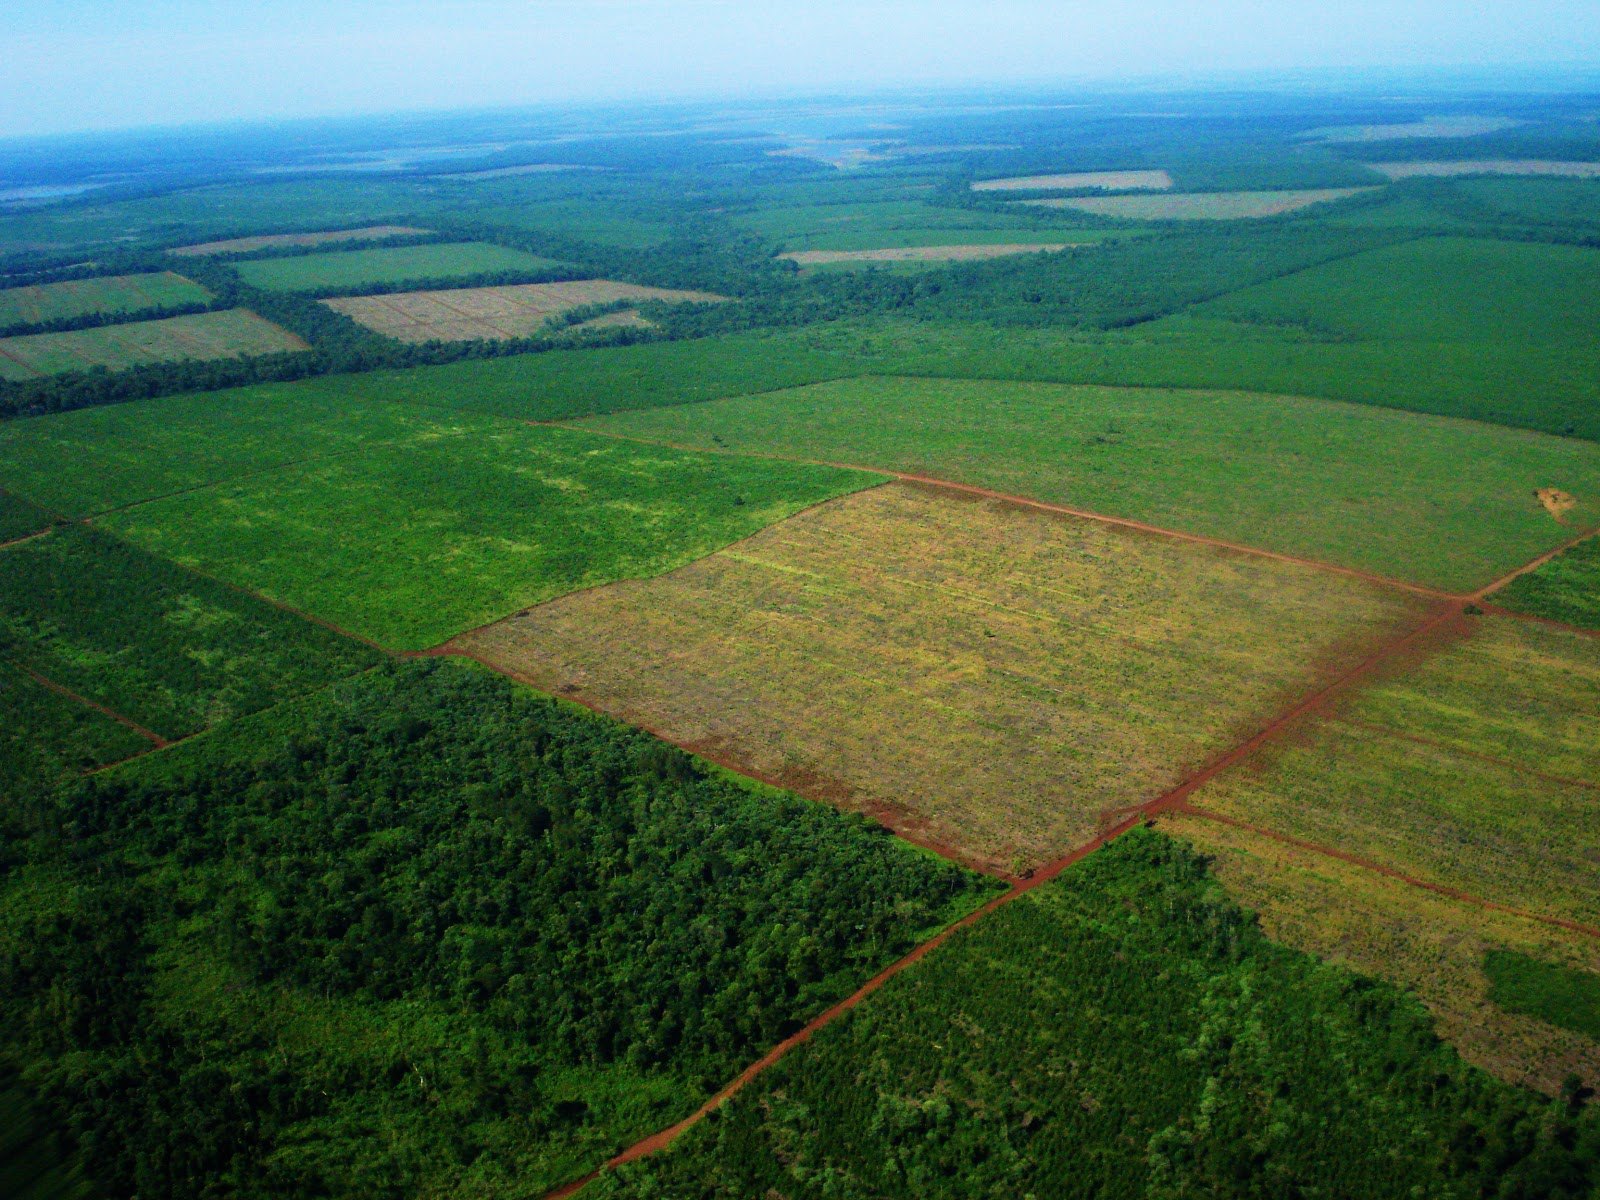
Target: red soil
[155,739]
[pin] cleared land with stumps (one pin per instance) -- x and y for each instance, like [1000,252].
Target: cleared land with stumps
[232,333]
[103,294]
[1199,206]
[1110,181]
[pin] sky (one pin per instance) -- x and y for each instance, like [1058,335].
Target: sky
[105,64]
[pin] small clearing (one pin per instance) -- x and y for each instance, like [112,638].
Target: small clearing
[1556,502]
[271,241]
[1427,127]
[1106,181]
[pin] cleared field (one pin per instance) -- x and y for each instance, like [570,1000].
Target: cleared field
[1111,181]
[1442,502]
[900,254]
[522,169]
[901,223]
[408,543]
[46,737]
[1199,206]
[1418,940]
[1412,797]
[463,314]
[1567,588]
[1428,127]
[990,677]
[233,333]
[174,651]
[244,245]
[386,264]
[1487,166]
[107,294]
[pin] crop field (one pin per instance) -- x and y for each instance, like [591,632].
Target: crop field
[233,333]
[1110,181]
[603,224]
[386,264]
[169,649]
[1447,503]
[107,294]
[408,543]
[20,518]
[920,254]
[273,241]
[990,676]
[1429,127]
[1417,797]
[1085,1040]
[1567,588]
[517,310]
[46,737]
[1426,943]
[1199,206]
[1487,166]
[901,224]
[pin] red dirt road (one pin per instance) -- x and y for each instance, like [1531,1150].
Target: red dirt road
[155,739]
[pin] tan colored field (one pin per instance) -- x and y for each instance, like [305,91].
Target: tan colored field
[269,241]
[522,169]
[980,675]
[1199,206]
[813,258]
[1489,166]
[1418,940]
[461,314]
[1428,127]
[1110,181]
[233,333]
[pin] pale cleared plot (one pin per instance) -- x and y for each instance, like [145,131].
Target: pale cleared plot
[523,169]
[969,253]
[1110,181]
[1428,127]
[1429,944]
[984,676]
[233,333]
[1488,166]
[463,314]
[244,245]
[102,294]
[1199,206]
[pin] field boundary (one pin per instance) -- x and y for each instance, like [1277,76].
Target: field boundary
[1385,731]
[155,739]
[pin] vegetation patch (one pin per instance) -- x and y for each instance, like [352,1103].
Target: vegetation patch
[387,265]
[1440,502]
[919,254]
[273,241]
[1199,206]
[232,333]
[988,677]
[1567,588]
[1125,1031]
[41,303]
[1487,166]
[46,737]
[21,518]
[1106,181]
[1549,991]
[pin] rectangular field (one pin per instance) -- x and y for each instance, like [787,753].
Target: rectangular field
[920,254]
[410,542]
[106,294]
[1430,775]
[1108,181]
[1487,166]
[989,677]
[271,241]
[233,333]
[1567,588]
[463,314]
[386,264]
[169,649]
[1441,502]
[1199,206]
[1427,127]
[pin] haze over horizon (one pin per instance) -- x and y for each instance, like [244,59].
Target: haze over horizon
[87,65]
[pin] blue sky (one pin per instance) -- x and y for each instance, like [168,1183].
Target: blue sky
[95,64]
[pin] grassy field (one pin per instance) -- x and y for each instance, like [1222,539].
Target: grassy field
[386,264]
[517,310]
[233,333]
[1567,588]
[273,241]
[1564,996]
[989,677]
[1109,181]
[1488,166]
[1123,1031]
[1198,206]
[916,255]
[106,294]
[174,651]
[1428,944]
[1410,797]
[899,223]
[20,518]
[1440,502]
[410,542]
[604,224]
[46,737]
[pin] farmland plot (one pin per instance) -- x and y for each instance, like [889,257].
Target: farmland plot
[272,241]
[1108,181]
[1567,588]
[387,264]
[987,677]
[46,737]
[1487,166]
[1199,206]
[920,254]
[106,294]
[233,333]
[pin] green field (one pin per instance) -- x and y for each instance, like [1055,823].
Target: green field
[1123,1032]
[45,737]
[386,264]
[232,333]
[411,542]
[1549,991]
[107,294]
[20,518]
[425,934]
[1446,503]
[875,225]
[172,650]
[1198,206]
[1567,588]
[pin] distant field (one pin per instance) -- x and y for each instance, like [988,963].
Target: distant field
[233,333]
[46,737]
[462,314]
[1396,777]
[989,677]
[244,245]
[915,254]
[1487,166]
[413,541]
[523,169]
[1567,588]
[108,294]
[386,264]
[590,221]
[1199,206]
[900,223]
[1414,939]
[1447,503]
[1428,127]
[1110,181]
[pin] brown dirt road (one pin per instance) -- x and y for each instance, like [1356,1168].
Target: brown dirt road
[155,739]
